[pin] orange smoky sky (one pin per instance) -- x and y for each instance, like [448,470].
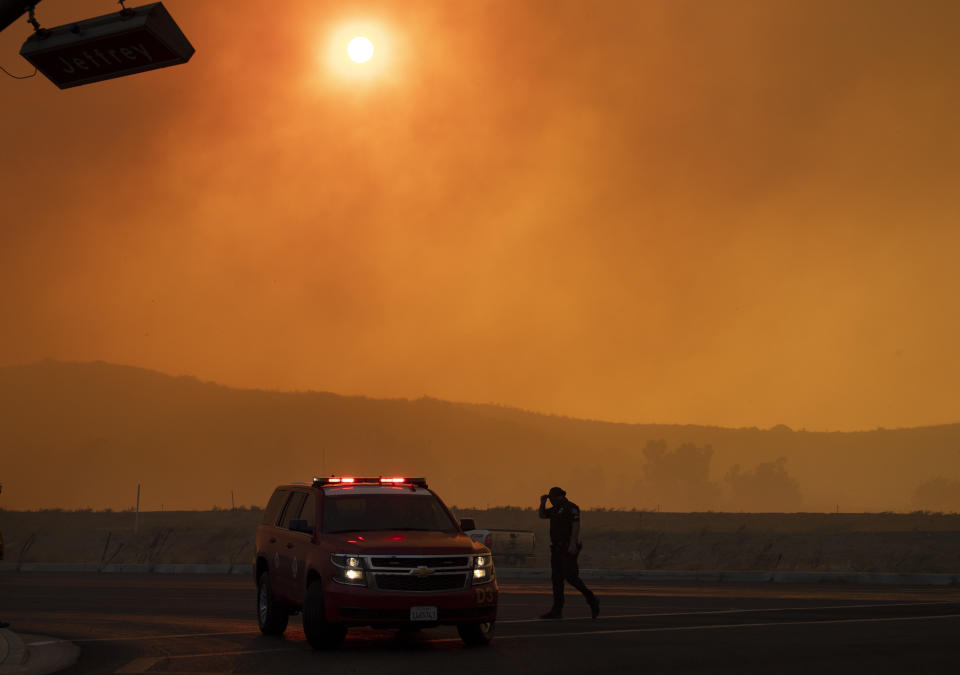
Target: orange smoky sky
[732,212]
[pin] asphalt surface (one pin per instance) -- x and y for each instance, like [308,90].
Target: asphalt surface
[206,624]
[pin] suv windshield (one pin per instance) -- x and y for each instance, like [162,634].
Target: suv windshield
[367,512]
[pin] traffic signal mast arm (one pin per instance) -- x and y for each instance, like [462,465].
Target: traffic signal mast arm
[11,10]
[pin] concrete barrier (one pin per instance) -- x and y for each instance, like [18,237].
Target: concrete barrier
[745,577]
[540,574]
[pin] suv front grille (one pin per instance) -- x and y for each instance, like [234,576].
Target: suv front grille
[432,562]
[408,582]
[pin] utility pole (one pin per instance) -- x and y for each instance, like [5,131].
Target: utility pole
[233,504]
[136,518]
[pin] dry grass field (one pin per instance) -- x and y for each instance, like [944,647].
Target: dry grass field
[884,542]
[109,537]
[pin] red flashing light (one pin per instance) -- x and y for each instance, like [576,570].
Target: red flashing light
[379,480]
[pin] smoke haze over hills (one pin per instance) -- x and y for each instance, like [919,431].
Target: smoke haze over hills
[82,435]
[733,213]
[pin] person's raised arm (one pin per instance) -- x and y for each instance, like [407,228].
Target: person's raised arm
[544,511]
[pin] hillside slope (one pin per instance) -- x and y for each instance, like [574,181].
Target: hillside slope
[75,435]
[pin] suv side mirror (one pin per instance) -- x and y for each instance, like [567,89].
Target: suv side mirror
[301,526]
[467,524]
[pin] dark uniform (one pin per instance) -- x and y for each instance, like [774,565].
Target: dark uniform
[3,624]
[563,564]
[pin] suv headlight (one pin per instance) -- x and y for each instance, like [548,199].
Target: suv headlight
[349,569]
[482,568]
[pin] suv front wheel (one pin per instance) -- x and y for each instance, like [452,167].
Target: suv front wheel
[272,617]
[476,634]
[320,633]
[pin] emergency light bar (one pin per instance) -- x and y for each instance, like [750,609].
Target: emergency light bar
[378,480]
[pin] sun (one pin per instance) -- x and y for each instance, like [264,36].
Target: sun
[361,52]
[360,49]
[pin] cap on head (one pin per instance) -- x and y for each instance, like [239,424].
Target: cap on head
[556,492]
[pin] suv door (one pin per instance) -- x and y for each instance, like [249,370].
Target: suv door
[267,531]
[285,571]
[298,547]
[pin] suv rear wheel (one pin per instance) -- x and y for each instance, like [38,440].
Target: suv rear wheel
[320,633]
[476,634]
[272,617]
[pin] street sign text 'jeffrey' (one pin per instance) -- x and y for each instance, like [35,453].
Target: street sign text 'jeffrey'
[113,45]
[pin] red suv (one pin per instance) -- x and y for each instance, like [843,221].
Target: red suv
[381,552]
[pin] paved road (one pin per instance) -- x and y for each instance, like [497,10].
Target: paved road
[205,624]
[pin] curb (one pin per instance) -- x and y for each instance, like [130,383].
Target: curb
[34,654]
[523,574]
[12,651]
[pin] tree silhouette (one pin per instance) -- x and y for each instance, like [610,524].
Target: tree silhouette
[678,480]
[768,487]
[937,494]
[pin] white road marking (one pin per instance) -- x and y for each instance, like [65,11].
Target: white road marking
[138,665]
[146,662]
[666,629]
[174,636]
[43,642]
[128,638]
[238,652]
[728,611]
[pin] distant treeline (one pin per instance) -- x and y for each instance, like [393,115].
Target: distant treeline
[679,479]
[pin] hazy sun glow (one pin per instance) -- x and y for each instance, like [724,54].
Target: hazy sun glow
[360,49]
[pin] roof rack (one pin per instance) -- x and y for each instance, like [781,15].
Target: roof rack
[377,480]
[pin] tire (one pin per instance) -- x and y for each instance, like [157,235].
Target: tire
[476,634]
[320,633]
[272,617]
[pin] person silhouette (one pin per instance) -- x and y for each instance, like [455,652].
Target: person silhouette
[565,547]
[3,624]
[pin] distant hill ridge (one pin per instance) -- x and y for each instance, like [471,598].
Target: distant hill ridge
[83,434]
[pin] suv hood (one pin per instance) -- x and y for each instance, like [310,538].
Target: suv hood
[403,542]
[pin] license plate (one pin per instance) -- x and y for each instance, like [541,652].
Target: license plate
[423,613]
